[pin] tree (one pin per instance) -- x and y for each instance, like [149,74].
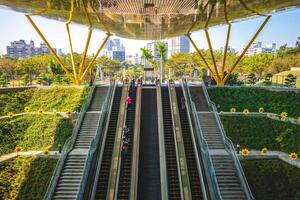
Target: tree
[8,67]
[162,53]
[108,64]
[147,55]
[290,80]
[183,64]
[3,80]
[251,79]
[33,66]
[257,63]
[268,79]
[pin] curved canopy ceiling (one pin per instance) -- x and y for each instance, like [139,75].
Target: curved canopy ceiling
[151,19]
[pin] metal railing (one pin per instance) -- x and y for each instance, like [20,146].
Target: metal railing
[213,184]
[229,146]
[95,142]
[68,146]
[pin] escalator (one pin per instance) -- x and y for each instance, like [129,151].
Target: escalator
[194,176]
[170,148]
[103,177]
[149,165]
[125,169]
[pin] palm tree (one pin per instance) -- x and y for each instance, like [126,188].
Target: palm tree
[162,53]
[147,54]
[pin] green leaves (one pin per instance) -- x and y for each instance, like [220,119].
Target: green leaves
[32,134]
[254,98]
[25,178]
[272,179]
[259,132]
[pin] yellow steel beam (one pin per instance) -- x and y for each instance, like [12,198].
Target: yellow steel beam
[200,54]
[95,56]
[227,39]
[83,58]
[51,49]
[247,47]
[70,39]
[210,14]
[212,53]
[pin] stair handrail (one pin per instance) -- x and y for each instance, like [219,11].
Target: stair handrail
[68,146]
[229,145]
[96,140]
[202,144]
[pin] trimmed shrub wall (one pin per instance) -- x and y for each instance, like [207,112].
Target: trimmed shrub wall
[254,98]
[272,179]
[259,132]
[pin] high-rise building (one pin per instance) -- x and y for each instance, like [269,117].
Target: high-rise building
[118,55]
[19,49]
[257,48]
[179,44]
[114,49]
[229,50]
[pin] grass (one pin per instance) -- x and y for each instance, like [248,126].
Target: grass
[25,178]
[34,132]
[254,98]
[259,132]
[48,99]
[272,179]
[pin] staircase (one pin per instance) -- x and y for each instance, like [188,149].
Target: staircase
[230,183]
[211,131]
[70,178]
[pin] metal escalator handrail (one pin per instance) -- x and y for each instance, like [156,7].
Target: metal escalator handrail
[68,146]
[136,145]
[229,146]
[102,145]
[180,151]
[202,144]
[93,146]
[113,181]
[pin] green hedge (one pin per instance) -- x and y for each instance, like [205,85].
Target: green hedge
[259,132]
[254,98]
[272,179]
[34,132]
[25,178]
[49,99]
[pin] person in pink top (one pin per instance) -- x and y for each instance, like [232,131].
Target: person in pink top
[128,100]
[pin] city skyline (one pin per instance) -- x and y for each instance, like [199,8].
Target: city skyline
[275,32]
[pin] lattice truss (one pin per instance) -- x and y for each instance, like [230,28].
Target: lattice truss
[209,8]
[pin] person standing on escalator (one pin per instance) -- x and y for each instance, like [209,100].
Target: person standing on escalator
[128,101]
[182,103]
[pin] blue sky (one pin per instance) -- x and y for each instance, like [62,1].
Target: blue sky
[283,27]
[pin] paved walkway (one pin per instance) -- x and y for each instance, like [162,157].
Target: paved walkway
[52,154]
[63,114]
[254,154]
